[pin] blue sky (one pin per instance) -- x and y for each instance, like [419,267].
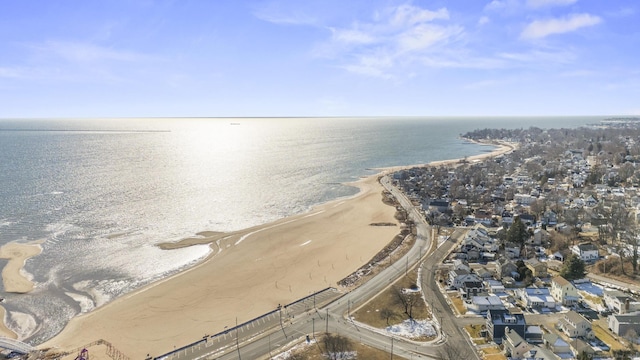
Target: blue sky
[134,58]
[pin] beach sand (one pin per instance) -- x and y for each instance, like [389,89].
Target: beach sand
[17,253]
[250,273]
[276,264]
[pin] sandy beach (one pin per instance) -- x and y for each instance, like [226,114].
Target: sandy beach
[249,273]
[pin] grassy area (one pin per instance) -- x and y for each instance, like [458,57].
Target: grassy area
[591,298]
[607,338]
[492,353]
[315,352]
[475,334]
[458,304]
[386,308]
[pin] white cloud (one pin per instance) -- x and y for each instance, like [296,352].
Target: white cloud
[543,28]
[85,52]
[407,15]
[483,20]
[539,57]
[549,3]
[425,36]
[503,6]
[352,36]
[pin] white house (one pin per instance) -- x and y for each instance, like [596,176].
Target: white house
[575,325]
[563,291]
[620,302]
[537,298]
[480,304]
[586,251]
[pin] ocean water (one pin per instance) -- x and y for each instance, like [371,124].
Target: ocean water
[100,193]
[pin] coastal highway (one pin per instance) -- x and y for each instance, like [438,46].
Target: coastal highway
[334,317]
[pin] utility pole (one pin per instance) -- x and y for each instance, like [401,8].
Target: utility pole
[392,348]
[326,330]
[237,341]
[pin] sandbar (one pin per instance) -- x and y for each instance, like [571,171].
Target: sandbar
[12,275]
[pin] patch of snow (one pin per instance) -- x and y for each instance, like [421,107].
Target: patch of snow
[300,347]
[590,287]
[413,329]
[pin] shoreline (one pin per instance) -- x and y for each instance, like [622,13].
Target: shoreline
[254,270]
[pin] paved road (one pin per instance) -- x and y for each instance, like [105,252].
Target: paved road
[333,317]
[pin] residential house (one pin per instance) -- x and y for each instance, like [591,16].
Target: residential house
[623,324]
[460,280]
[533,334]
[456,273]
[586,251]
[575,325]
[498,320]
[461,265]
[484,273]
[514,345]
[556,344]
[563,291]
[540,236]
[471,288]
[537,298]
[620,302]
[482,304]
[580,346]
[537,268]
[439,205]
[505,267]
[539,353]
[512,250]
[549,218]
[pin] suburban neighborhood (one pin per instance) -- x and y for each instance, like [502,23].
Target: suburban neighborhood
[549,261]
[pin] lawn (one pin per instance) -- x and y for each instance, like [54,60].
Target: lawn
[607,338]
[474,332]
[315,352]
[458,304]
[386,308]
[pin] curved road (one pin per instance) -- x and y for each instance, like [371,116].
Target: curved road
[333,317]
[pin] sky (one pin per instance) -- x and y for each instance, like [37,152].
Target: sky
[236,58]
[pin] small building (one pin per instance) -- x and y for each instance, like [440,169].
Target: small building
[622,324]
[533,334]
[556,344]
[563,291]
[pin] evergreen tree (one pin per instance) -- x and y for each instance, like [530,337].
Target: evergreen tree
[517,232]
[573,268]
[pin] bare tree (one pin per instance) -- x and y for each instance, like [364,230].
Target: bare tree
[407,300]
[386,314]
[450,351]
[336,346]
